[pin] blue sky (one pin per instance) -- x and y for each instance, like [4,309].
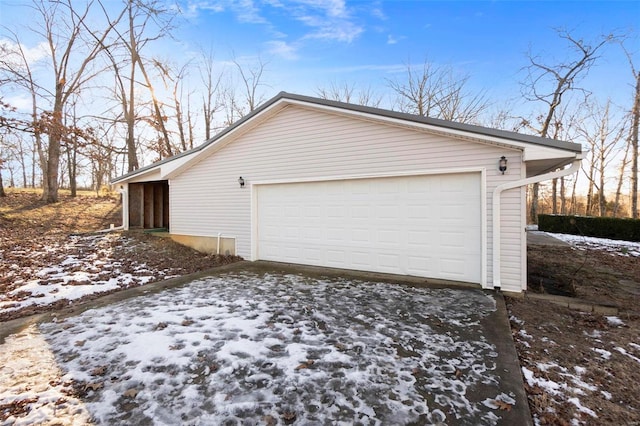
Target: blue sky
[309,43]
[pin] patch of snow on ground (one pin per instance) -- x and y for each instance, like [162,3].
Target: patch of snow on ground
[618,247]
[548,385]
[582,408]
[605,354]
[90,269]
[567,386]
[615,321]
[254,349]
[623,351]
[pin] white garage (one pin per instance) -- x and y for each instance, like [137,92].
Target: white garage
[426,225]
[317,182]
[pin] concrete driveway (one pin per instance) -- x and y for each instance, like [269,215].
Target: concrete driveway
[260,343]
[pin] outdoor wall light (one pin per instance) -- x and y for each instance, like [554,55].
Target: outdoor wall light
[241,181]
[502,165]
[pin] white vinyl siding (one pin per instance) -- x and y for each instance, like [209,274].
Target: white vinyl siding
[299,143]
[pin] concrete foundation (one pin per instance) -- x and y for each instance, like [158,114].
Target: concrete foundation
[207,244]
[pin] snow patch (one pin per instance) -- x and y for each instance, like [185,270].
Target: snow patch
[624,352]
[89,270]
[617,247]
[614,321]
[605,354]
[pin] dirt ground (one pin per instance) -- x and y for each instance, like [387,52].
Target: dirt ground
[586,366]
[29,225]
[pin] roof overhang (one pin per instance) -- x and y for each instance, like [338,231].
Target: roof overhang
[541,155]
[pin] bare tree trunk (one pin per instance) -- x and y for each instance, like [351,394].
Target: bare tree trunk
[23,164]
[72,158]
[602,202]
[634,150]
[2,193]
[574,204]
[554,196]
[588,207]
[623,166]
[563,199]
[33,168]
[132,156]
[533,210]
[165,143]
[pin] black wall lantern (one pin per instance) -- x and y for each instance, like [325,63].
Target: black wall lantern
[241,181]
[502,164]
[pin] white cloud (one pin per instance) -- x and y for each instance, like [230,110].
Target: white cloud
[31,54]
[327,19]
[282,49]
[20,103]
[339,31]
[245,10]
[377,12]
[248,12]
[393,39]
[391,68]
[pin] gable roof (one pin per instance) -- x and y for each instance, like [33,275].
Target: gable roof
[517,140]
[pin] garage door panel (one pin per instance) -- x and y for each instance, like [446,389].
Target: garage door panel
[336,258]
[361,235]
[361,259]
[312,254]
[419,225]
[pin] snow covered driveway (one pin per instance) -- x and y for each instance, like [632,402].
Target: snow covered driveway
[267,348]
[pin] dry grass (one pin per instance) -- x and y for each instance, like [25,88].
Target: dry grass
[22,209]
[559,344]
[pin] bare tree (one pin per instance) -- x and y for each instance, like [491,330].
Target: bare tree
[436,91]
[549,83]
[158,119]
[633,141]
[71,55]
[633,134]
[211,93]
[132,40]
[604,139]
[239,102]
[345,92]
[251,80]
[16,66]
[623,166]
[174,81]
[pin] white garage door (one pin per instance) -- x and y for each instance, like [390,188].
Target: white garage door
[428,225]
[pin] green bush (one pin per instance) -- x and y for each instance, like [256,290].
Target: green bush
[603,227]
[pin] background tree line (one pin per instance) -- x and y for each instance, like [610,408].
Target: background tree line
[102,102]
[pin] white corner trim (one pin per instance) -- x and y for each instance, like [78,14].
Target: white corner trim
[254,222]
[497,192]
[483,228]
